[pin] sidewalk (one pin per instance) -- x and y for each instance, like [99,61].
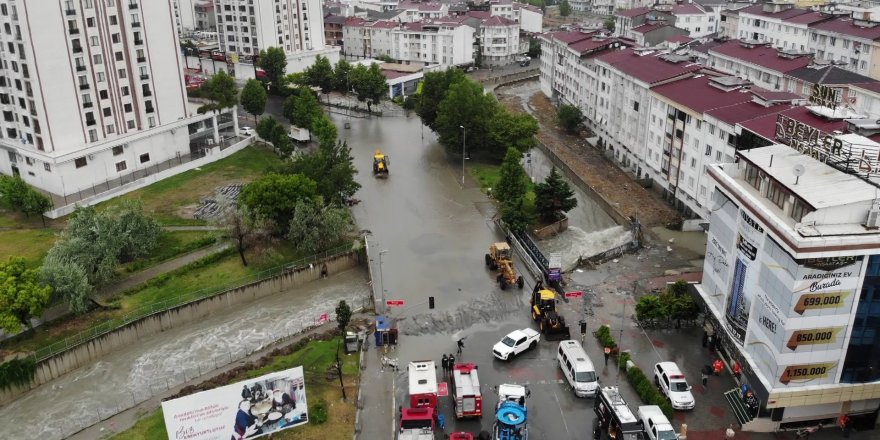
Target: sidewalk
[377,402]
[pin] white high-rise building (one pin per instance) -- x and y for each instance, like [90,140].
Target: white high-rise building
[245,27]
[88,96]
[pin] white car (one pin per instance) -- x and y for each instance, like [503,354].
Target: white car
[246,131]
[669,378]
[515,343]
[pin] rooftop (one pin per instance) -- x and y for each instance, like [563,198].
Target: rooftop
[650,68]
[829,75]
[872,86]
[680,39]
[634,12]
[569,36]
[334,19]
[698,95]
[765,126]
[497,20]
[782,15]
[707,46]
[845,26]
[738,113]
[648,27]
[687,9]
[760,55]
[820,185]
[590,45]
[808,18]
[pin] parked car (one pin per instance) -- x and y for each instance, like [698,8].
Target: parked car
[672,384]
[246,131]
[515,343]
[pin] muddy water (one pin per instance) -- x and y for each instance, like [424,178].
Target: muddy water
[61,407]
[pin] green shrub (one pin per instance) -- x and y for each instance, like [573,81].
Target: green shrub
[605,338]
[647,391]
[318,412]
[622,359]
[17,372]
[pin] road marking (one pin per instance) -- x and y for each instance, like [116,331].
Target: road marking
[393,404]
[562,413]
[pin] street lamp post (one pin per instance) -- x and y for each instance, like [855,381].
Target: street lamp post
[463,147]
[381,282]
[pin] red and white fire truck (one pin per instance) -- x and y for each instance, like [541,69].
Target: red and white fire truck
[422,384]
[466,396]
[417,424]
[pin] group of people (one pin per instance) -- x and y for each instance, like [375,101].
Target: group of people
[447,362]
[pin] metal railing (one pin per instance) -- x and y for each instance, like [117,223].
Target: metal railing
[161,306]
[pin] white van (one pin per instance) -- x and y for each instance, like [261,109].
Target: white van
[655,423]
[577,368]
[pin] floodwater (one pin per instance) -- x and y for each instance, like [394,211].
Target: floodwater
[71,402]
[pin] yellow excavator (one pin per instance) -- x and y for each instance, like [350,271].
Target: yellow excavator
[550,321]
[380,164]
[499,258]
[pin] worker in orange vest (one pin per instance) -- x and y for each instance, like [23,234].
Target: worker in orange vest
[717,366]
[737,369]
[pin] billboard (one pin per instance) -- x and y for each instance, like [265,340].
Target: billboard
[749,239]
[244,410]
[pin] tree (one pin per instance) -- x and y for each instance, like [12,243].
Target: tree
[273,61]
[17,195]
[265,126]
[245,228]
[434,88]
[221,91]
[534,47]
[22,295]
[36,203]
[68,280]
[274,196]
[332,168]
[343,316]
[515,216]
[466,104]
[554,197]
[253,98]
[314,228]
[320,74]
[610,24]
[570,117]
[369,84]
[513,181]
[340,76]
[138,233]
[324,130]
[564,8]
[506,129]
[303,108]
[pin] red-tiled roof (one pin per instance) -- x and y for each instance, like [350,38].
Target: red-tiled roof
[873,87]
[771,95]
[784,15]
[496,20]
[647,68]
[760,55]
[569,37]
[634,12]
[686,9]
[845,26]
[482,15]
[648,27]
[696,94]
[585,46]
[392,74]
[737,113]
[766,126]
[532,8]
[680,39]
[808,18]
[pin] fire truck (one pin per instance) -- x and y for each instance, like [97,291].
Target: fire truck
[417,424]
[615,418]
[466,397]
[422,384]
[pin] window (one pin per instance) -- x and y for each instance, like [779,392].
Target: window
[124,90]
[102,94]
[96,59]
[130,124]
[117,150]
[144,158]
[47,167]
[127,108]
[101,77]
[635,105]
[777,194]
[107,112]
[94,41]
[708,150]
[754,176]
[113,20]
[120,166]
[799,209]
[80,162]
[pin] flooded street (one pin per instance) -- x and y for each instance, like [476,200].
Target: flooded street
[65,405]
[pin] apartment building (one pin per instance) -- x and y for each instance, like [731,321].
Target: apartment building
[184,15]
[205,16]
[418,11]
[245,27]
[779,24]
[850,42]
[530,18]
[692,17]
[791,276]
[447,42]
[653,33]
[89,96]
[367,39]
[333,25]
[581,6]
[499,39]
[757,62]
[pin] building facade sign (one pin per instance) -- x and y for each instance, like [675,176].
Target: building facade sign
[825,96]
[749,239]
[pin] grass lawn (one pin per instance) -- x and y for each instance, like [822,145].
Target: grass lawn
[315,358]
[167,200]
[31,244]
[171,244]
[485,173]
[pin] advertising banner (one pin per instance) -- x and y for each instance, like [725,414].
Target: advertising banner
[826,286]
[244,410]
[749,239]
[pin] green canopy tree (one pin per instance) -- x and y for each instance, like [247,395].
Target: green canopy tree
[564,8]
[466,104]
[265,126]
[343,315]
[22,295]
[554,197]
[314,228]
[273,61]
[245,228]
[434,88]
[69,281]
[506,129]
[253,98]
[340,76]
[369,84]
[570,117]
[221,90]
[320,74]
[513,181]
[332,168]
[324,130]
[515,216]
[17,195]
[274,197]
[302,109]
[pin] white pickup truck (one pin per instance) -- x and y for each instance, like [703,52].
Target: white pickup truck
[515,343]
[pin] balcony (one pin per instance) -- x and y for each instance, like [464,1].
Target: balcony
[138,42]
[88,105]
[83,86]
[77,49]
[80,68]
[141,59]
[70,12]
[145,77]
[73,31]
[136,24]
[132,6]
[150,110]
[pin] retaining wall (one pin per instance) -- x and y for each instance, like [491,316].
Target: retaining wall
[87,352]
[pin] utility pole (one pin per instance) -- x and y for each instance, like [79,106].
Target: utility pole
[339,368]
[620,342]
[463,149]
[381,282]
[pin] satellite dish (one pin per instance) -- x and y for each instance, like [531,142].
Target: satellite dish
[798,171]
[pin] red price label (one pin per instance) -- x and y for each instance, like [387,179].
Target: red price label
[576,294]
[394,303]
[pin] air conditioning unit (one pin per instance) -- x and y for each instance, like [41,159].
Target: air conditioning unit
[91,157]
[873,220]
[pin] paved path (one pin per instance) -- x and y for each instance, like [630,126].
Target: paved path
[377,419]
[192,228]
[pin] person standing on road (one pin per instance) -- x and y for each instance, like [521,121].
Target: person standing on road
[451,364]
[717,366]
[445,363]
[460,344]
[704,377]
[607,355]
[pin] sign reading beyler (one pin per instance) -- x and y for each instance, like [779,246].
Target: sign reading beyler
[863,160]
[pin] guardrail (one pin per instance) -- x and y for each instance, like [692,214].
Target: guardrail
[161,306]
